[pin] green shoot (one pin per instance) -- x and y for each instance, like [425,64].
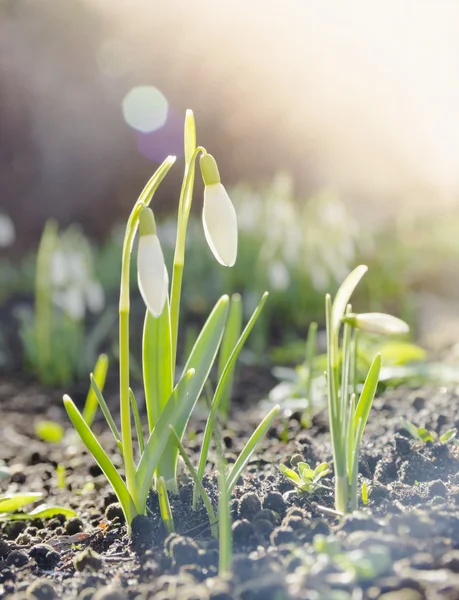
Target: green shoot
[304,478]
[49,431]
[100,375]
[164,506]
[230,338]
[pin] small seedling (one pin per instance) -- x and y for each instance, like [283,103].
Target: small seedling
[11,506]
[304,478]
[421,434]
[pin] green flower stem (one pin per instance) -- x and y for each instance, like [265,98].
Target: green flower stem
[186,196]
[125,408]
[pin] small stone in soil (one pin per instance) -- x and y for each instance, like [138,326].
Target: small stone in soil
[249,506]
[115,512]
[73,526]
[242,532]
[184,551]
[109,593]
[282,535]
[274,501]
[41,590]
[88,559]
[142,531]
[17,558]
[45,556]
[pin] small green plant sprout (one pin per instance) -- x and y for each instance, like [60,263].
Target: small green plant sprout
[364,493]
[304,478]
[348,414]
[421,434]
[12,505]
[170,396]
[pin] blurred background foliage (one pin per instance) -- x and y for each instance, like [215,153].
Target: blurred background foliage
[334,125]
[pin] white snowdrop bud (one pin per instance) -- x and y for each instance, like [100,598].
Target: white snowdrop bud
[218,215]
[377,323]
[152,274]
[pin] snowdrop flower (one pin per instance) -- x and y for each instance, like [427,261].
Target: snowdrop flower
[218,215]
[152,274]
[377,323]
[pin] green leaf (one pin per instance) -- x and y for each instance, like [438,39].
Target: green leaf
[291,474]
[106,412]
[197,482]
[190,135]
[250,448]
[344,294]
[137,421]
[411,428]
[44,511]
[365,493]
[100,375]
[448,436]
[201,359]
[182,399]
[425,435]
[366,397]
[158,378]
[164,506]
[99,454]
[222,383]
[12,502]
[49,431]
[229,341]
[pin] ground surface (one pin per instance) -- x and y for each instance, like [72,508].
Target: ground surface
[404,545]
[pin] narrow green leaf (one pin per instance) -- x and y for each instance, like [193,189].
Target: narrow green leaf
[106,412]
[425,435]
[182,399]
[197,482]
[365,493]
[229,341]
[164,505]
[99,454]
[448,436]
[12,502]
[190,135]
[137,421]
[47,511]
[366,397]
[411,428]
[250,448]
[344,294]
[201,359]
[49,431]
[157,363]
[100,375]
[222,382]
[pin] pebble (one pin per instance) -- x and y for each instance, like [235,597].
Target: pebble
[88,559]
[41,590]
[17,558]
[115,512]
[249,506]
[274,501]
[45,556]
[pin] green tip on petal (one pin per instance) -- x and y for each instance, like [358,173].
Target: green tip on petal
[209,169]
[147,225]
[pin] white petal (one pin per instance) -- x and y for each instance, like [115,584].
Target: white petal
[152,274]
[220,224]
[380,323]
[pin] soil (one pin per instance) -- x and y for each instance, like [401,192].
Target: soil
[403,545]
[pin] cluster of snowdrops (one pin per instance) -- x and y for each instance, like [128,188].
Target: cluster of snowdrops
[170,396]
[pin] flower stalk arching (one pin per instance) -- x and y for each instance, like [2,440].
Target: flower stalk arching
[179,253]
[124,309]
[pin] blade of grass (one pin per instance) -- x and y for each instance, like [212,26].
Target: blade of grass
[229,341]
[137,421]
[221,385]
[107,414]
[181,399]
[164,505]
[366,397]
[250,448]
[99,454]
[198,483]
[158,377]
[100,375]
[201,359]
[343,295]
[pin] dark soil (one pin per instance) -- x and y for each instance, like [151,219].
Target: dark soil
[404,545]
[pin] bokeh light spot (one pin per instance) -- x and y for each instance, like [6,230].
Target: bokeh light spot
[156,145]
[145,108]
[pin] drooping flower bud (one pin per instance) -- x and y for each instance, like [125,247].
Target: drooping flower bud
[377,323]
[152,274]
[218,215]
